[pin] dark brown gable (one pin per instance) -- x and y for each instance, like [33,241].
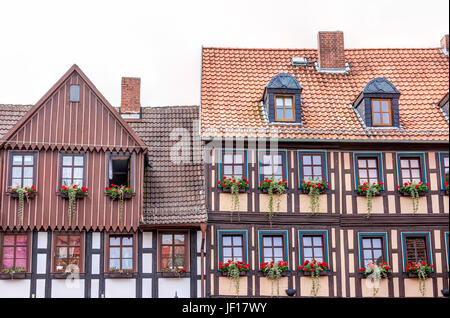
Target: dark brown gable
[56,123]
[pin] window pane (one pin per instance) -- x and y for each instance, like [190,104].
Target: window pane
[75,240]
[414,163]
[21,252]
[17,160]
[67,160]
[237,240]
[307,171]
[237,251]
[268,252]
[288,101]
[166,239]
[377,118]
[21,239]
[127,240]
[289,114]
[28,160]
[21,262]
[78,173]
[376,254]
[267,171]
[406,174]
[307,252]
[371,163]
[362,163]
[415,173]
[363,173]
[74,93]
[127,252]
[227,252]
[74,252]
[386,118]
[307,241]
[8,252]
[278,252]
[16,172]
[317,160]
[267,241]
[78,160]
[28,172]
[367,254]
[279,101]
[366,243]
[373,173]
[317,241]
[238,158]
[228,171]
[385,106]
[228,158]
[306,160]
[114,252]
[16,183]
[277,241]
[318,171]
[114,263]
[226,240]
[277,159]
[376,105]
[280,113]
[238,171]
[67,173]
[66,181]
[179,239]
[114,240]
[27,182]
[404,163]
[317,252]
[278,170]
[62,240]
[61,252]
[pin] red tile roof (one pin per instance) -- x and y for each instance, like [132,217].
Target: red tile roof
[233,83]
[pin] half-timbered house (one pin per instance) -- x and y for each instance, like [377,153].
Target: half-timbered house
[132,246]
[343,116]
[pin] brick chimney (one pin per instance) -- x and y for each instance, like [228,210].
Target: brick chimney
[331,50]
[131,95]
[444,43]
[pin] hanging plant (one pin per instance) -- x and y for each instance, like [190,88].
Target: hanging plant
[314,269]
[21,194]
[314,188]
[369,190]
[274,271]
[73,192]
[272,186]
[414,190]
[375,273]
[420,270]
[234,186]
[119,192]
[234,270]
[446,188]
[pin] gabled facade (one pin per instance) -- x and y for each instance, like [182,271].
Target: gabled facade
[367,115]
[116,248]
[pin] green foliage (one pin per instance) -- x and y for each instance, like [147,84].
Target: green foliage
[72,191]
[413,189]
[422,270]
[273,186]
[315,268]
[234,269]
[314,188]
[22,193]
[369,190]
[234,185]
[273,272]
[118,192]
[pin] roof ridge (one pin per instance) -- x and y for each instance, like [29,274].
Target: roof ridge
[312,49]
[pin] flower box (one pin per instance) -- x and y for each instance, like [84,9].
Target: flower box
[265,191]
[228,190]
[16,195]
[309,273]
[415,275]
[63,275]
[66,196]
[13,276]
[173,274]
[407,194]
[227,274]
[119,275]
[306,191]
[363,275]
[362,194]
[282,274]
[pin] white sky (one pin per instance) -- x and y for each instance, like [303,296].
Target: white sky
[160,41]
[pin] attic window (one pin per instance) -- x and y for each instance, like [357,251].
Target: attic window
[74,93]
[381,112]
[282,100]
[378,105]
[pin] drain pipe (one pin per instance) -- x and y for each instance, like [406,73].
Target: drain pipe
[203,228]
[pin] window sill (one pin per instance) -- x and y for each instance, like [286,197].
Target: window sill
[406,194]
[119,275]
[126,196]
[360,194]
[4,276]
[174,275]
[414,275]
[63,275]
[264,191]
[282,274]
[307,192]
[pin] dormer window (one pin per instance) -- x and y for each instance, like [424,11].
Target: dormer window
[284,105]
[381,112]
[282,100]
[377,105]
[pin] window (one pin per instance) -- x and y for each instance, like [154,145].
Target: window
[312,166]
[72,169]
[121,252]
[367,169]
[273,248]
[410,169]
[312,246]
[372,250]
[445,168]
[68,251]
[416,249]
[14,250]
[119,170]
[284,108]
[174,250]
[233,164]
[22,169]
[381,112]
[232,247]
[74,93]
[272,164]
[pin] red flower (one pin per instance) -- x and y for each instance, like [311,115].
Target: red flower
[12,190]
[218,182]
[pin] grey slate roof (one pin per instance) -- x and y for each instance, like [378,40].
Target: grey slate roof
[174,192]
[284,80]
[380,85]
